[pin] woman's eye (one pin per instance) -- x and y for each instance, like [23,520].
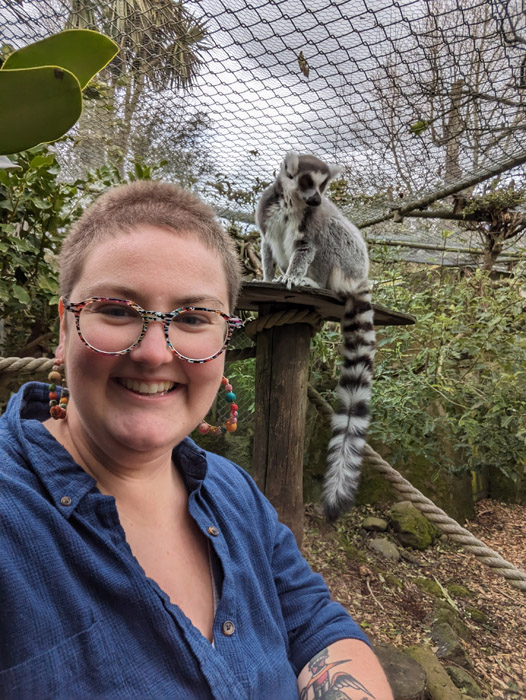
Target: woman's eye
[191,320]
[115,311]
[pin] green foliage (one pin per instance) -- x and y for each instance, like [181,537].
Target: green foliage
[36,209]
[179,147]
[242,196]
[419,127]
[41,86]
[242,376]
[40,104]
[324,366]
[246,196]
[497,199]
[452,388]
[78,51]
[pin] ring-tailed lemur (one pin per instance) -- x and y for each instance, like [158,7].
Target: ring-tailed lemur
[314,244]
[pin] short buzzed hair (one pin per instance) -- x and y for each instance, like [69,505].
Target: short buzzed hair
[147,202]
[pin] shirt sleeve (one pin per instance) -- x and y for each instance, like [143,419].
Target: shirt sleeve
[312,619]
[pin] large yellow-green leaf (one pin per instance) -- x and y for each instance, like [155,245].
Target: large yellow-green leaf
[80,51]
[36,105]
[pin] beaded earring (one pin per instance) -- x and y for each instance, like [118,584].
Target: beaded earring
[231,424]
[57,404]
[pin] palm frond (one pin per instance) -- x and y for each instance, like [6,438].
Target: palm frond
[158,39]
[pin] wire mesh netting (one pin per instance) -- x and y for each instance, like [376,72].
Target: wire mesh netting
[410,96]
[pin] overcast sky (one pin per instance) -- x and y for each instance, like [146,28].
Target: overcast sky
[251,86]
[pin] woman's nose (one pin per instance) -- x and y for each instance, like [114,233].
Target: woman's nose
[153,348]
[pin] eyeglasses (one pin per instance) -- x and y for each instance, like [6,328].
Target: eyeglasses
[116,326]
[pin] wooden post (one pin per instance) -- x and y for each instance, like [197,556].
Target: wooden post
[282,366]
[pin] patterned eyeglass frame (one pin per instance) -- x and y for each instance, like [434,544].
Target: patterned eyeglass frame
[147,317]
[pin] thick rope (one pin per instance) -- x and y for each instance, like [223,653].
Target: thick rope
[25,365]
[433,513]
[281,318]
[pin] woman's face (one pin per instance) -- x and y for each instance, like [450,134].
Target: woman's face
[109,411]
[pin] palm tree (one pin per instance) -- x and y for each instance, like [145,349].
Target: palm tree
[160,49]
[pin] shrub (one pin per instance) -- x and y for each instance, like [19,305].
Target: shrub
[458,375]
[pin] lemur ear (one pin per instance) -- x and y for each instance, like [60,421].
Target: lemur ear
[290,164]
[334,171]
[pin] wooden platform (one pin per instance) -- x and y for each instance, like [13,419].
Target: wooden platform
[328,304]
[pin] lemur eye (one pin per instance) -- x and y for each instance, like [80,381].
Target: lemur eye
[291,177]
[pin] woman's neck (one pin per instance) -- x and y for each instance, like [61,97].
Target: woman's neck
[140,484]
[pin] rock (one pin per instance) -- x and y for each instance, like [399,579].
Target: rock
[455,589]
[451,492]
[438,684]
[411,527]
[375,524]
[476,615]
[464,681]
[429,586]
[384,547]
[448,643]
[405,675]
[443,612]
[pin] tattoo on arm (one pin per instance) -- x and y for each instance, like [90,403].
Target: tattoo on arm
[325,679]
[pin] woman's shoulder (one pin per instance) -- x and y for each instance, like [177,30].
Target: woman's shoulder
[229,483]
[231,476]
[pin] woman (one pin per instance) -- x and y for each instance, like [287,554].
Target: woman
[134,564]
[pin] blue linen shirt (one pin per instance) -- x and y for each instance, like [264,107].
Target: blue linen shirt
[79,619]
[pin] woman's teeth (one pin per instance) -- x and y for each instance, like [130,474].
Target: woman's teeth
[147,387]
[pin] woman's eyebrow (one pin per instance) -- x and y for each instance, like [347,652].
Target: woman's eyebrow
[123,292]
[107,289]
[199,300]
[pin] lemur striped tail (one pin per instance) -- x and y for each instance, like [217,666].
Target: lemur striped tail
[351,420]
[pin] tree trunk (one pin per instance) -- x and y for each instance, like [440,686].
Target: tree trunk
[452,135]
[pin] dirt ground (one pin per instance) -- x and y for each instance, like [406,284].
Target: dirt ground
[384,598]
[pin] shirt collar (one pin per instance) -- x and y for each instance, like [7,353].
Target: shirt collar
[66,482]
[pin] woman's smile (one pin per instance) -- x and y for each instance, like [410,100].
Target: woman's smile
[149,388]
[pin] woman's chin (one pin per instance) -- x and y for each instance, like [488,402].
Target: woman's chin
[146,436]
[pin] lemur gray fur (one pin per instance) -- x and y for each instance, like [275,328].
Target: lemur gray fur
[311,241]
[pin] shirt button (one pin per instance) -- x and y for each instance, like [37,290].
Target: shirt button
[65,500]
[229,628]
[212,530]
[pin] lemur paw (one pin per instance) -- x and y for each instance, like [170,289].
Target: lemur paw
[307,282]
[288,281]
[296,281]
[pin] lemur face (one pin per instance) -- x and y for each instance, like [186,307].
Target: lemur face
[310,186]
[305,178]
